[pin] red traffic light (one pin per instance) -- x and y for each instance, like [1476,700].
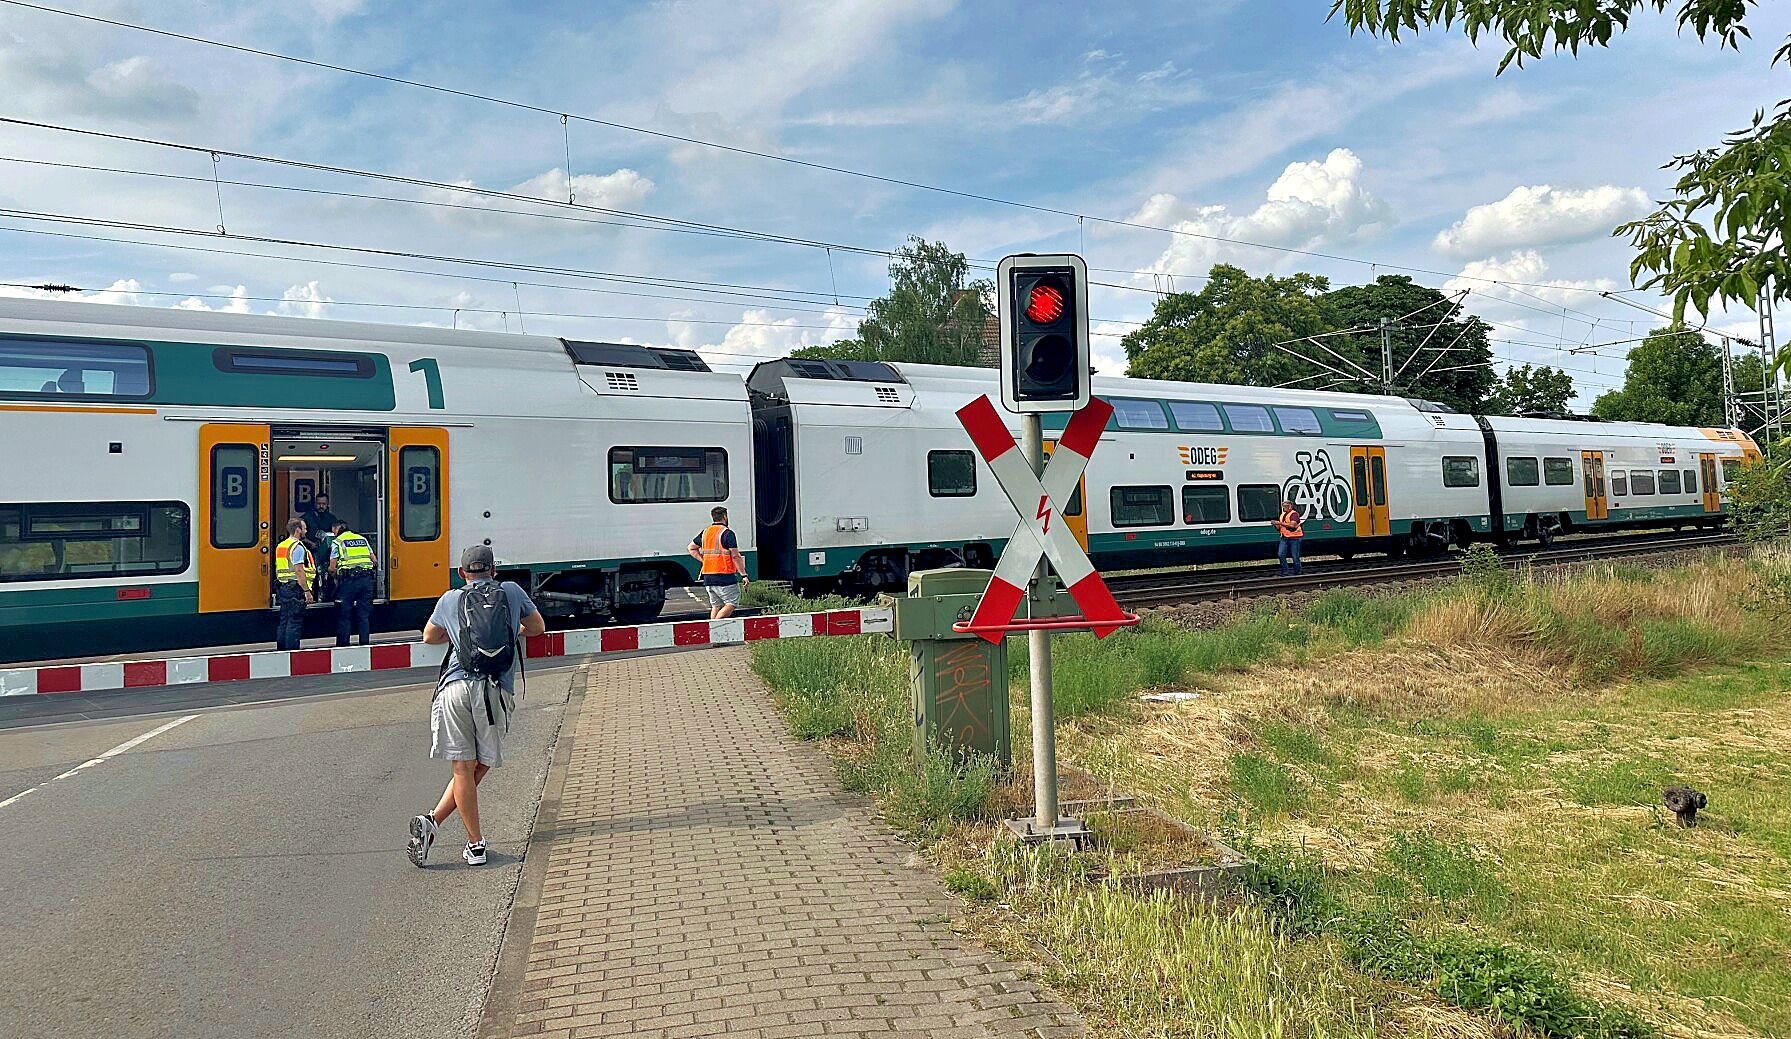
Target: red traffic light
[1044,303]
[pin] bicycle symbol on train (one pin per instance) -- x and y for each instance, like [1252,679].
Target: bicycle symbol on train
[1317,490]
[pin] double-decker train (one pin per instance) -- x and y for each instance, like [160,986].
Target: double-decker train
[152,458]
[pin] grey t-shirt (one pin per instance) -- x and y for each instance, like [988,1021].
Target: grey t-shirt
[447,617]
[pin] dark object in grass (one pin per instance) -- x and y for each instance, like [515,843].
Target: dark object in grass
[1685,802]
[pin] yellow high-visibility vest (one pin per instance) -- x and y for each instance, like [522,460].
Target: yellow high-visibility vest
[283,561]
[353,552]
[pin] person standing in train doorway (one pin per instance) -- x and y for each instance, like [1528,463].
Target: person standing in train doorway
[1292,532]
[293,572]
[724,568]
[353,562]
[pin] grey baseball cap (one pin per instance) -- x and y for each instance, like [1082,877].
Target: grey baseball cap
[477,559]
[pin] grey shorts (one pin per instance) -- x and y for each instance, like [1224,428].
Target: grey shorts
[459,729]
[723,594]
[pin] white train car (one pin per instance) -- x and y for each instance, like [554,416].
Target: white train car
[1557,475]
[154,457]
[865,473]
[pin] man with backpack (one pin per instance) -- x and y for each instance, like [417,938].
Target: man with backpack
[483,624]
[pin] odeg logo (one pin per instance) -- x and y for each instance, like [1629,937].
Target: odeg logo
[1203,455]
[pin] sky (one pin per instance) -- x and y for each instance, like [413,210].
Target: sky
[1260,122]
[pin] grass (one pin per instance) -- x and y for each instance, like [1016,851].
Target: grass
[1454,797]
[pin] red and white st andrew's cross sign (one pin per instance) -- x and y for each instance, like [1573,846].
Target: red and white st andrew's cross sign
[1040,503]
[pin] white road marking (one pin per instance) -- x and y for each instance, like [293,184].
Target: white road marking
[114,752]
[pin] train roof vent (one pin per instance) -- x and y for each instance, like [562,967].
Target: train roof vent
[1429,405]
[768,377]
[622,381]
[629,355]
[889,394]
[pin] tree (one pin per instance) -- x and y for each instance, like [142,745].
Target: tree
[1437,354]
[1540,389]
[1722,236]
[1224,333]
[934,313]
[1675,376]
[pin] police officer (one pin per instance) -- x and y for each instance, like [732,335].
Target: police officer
[293,570]
[353,562]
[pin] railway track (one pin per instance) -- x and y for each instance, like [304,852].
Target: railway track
[1175,589]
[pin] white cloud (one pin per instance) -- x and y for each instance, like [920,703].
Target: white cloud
[1309,204]
[623,189]
[1526,266]
[1541,215]
[44,78]
[238,303]
[307,300]
[336,10]
[182,277]
[760,335]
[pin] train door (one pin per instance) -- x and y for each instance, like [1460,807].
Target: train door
[1074,515]
[417,564]
[235,518]
[1712,494]
[1368,468]
[1597,504]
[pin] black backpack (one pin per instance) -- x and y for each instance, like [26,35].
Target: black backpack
[487,644]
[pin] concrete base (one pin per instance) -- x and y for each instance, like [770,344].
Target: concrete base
[1067,829]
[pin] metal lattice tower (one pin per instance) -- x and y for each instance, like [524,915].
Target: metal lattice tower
[1772,398]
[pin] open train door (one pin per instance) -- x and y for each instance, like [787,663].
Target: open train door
[416,542]
[1075,516]
[1597,504]
[235,536]
[1368,468]
[1712,494]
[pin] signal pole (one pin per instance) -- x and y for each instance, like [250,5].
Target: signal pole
[1386,356]
[1038,665]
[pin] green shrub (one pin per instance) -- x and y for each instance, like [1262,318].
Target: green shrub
[1451,872]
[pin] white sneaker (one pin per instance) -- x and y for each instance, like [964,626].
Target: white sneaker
[474,854]
[422,838]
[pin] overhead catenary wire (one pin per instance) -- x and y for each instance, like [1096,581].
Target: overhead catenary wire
[563,114]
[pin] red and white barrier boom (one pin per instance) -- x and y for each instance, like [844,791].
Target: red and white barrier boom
[399,656]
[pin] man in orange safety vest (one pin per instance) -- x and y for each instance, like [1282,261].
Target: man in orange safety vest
[1292,530]
[724,568]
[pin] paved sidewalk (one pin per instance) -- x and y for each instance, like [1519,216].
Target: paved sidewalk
[709,876]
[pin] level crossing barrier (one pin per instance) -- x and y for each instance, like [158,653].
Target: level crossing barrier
[400,656]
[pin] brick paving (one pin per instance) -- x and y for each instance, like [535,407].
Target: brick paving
[709,876]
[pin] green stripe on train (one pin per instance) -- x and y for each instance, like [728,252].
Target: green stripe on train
[20,606]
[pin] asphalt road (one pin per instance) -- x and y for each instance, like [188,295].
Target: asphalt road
[242,873]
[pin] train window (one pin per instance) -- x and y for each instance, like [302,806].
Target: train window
[235,496]
[1143,507]
[1204,505]
[49,367]
[1138,414]
[1669,481]
[1196,417]
[1641,481]
[265,361]
[951,474]
[1557,472]
[1731,468]
[1297,420]
[1359,469]
[1074,508]
[1248,418]
[1522,472]
[1619,484]
[1461,471]
[646,475]
[1691,481]
[420,512]
[1258,502]
[1351,416]
[73,541]
[1378,466]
